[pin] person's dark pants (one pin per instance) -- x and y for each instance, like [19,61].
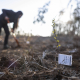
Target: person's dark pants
[7,33]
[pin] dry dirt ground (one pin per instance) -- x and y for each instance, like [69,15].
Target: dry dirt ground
[38,60]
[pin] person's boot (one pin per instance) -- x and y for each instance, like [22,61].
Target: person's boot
[6,47]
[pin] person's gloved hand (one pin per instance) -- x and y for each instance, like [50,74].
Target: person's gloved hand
[12,30]
[6,18]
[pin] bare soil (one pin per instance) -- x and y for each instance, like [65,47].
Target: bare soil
[38,60]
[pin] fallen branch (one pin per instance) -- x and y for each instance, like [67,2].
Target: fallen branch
[40,65]
[37,65]
[1,73]
[9,67]
[13,63]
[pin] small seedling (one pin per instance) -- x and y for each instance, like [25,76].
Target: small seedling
[55,35]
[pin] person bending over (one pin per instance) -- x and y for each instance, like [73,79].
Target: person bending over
[8,16]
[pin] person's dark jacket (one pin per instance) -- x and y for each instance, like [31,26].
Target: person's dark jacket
[13,17]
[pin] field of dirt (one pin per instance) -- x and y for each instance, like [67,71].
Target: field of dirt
[38,60]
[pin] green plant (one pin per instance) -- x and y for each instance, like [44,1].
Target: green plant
[55,35]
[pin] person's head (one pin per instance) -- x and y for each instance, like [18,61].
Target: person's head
[19,13]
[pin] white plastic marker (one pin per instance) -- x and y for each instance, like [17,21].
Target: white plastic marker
[65,59]
[28,42]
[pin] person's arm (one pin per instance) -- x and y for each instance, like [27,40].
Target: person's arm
[18,15]
[0,30]
[15,25]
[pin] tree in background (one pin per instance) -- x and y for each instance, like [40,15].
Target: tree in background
[70,27]
[41,12]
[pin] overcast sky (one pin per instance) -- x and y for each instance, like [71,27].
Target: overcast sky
[30,10]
